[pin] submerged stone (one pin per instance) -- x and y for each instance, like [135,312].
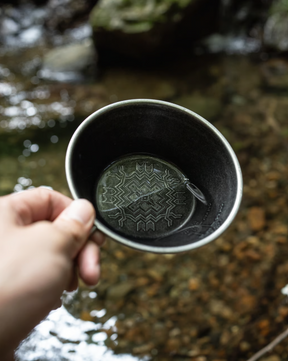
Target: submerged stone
[120,290]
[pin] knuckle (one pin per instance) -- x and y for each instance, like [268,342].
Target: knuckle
[44,194]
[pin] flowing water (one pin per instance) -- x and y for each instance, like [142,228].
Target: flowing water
[221,302]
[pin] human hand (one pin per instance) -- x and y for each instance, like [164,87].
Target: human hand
[43,237]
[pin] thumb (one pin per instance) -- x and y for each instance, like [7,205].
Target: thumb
[75,222]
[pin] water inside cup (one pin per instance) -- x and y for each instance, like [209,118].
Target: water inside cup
[145,197]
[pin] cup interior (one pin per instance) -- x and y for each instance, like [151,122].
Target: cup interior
[171,133]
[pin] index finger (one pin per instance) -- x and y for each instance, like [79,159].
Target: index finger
[33,205]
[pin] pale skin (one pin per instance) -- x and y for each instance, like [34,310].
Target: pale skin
[44,247]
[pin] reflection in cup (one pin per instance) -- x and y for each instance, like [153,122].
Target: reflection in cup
[144,197]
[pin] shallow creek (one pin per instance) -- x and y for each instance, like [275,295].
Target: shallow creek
[220,302]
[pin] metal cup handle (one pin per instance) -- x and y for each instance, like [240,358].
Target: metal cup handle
[195,191]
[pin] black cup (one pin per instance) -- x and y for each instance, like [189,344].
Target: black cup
[189,145]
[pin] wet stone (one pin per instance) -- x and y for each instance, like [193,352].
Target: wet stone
[119,290]
[256,218]
[193,284]
[138,30]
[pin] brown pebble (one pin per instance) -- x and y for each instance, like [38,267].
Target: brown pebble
[155,275]
[256,218]
[280,229]
[175,332]
[255,256]
[283,311]
[119,255]
[253,240]
[193,284]
[263,324]
[246,303]
[142,281]
[194,352]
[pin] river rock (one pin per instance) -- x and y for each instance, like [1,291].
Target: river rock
[141,29]
[119,290]
[256,218]
[64,61]
[276,26]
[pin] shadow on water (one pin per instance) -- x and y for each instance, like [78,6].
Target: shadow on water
[221,302]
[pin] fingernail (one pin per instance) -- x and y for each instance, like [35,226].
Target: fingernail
[81,210]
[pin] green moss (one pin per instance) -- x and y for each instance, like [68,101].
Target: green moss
[135,15]
[138,27]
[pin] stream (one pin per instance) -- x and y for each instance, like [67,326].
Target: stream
[224,301]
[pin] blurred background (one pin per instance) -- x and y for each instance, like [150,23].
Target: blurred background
[61,60]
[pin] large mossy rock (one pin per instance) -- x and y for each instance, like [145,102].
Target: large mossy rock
[140,29]
[276,26]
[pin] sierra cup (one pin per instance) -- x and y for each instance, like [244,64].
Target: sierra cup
[161,178]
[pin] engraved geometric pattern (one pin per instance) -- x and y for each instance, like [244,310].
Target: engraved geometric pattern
[143,196]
